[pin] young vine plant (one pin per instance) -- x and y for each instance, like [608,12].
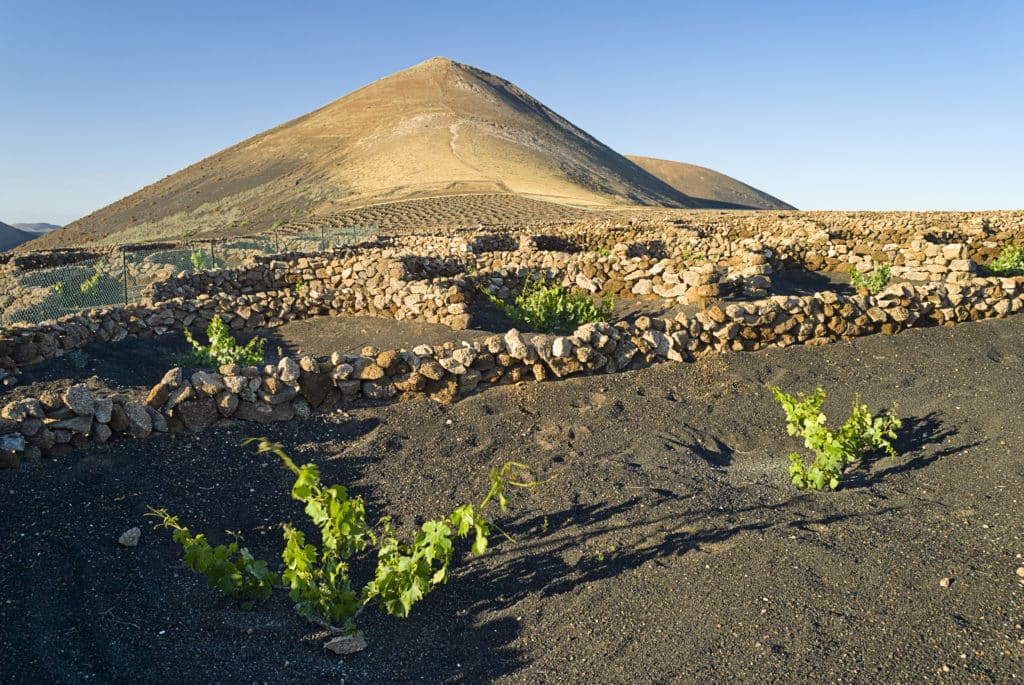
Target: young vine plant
[552,308]
[318,578]
[833,452]
[1010,262]
[223,348]
[227,568]
[873,281]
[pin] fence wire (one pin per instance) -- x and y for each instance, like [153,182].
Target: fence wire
[121,277]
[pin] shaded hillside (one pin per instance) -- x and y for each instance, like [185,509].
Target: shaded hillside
[12,237]
[36,228]
[437,128]
[708,187]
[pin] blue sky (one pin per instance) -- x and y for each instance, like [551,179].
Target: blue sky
[870,105]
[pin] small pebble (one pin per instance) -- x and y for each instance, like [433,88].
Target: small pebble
[945,582]
[130,538]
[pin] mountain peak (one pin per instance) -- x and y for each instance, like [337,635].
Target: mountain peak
[437,128]
[438,62]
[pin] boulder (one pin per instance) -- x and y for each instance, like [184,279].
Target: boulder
[104,407]
[178,396]
[118,419]
[158,394]
[140,424]
[173,378]
[79,424]
[197,414]
[159,420]
[79,399]
[253,411]
[288,370]
[19,410]
[315,387]
[207,383]
[227,403]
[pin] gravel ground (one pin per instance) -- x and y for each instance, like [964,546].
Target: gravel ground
[670,548]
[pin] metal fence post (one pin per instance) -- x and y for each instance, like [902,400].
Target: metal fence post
[213,257]
[124,272]
[323,240]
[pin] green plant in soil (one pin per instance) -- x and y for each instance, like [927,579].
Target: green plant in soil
[552,308]
[318,577]
[228,568]
[223,348]
[61,293]
[874,281]
[860,434]
[201,261]
[90,286]
[1010,262]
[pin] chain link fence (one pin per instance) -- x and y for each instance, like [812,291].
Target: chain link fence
[120,277]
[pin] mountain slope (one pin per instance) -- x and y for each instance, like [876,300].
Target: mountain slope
[36,228]
[708,187]
[437,128]
[11,237]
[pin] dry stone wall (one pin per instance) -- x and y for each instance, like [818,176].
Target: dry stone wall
[434,277]
[56,423]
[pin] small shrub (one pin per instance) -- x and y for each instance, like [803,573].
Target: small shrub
[1010,262]
[227,568]
[549,309]
[300,286]
[223,349]
[201,261]
[90,286]
[318,579]
[61,293]
[875,280]
[833,451]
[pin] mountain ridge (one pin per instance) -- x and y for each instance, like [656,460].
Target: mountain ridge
[437,128]
[11,237]
[40,227]
[712,187]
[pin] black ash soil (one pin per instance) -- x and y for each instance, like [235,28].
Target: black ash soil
[669,549]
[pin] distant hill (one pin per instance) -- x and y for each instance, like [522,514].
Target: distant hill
[709,187]
[36,228]
[438,128]
[11,237]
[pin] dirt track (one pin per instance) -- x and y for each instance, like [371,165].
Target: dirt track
[669,549]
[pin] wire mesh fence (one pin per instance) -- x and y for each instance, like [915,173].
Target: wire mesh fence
[121,277]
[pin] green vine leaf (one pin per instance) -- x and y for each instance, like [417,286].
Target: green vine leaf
[834,452]
[317,577]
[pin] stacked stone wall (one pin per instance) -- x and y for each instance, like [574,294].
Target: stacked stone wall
[55,423]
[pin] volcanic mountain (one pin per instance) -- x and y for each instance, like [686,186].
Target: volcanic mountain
[36,228]
[438,128]
[708,187]
[12,237]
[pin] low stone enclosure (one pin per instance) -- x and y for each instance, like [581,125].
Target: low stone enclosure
[438,278]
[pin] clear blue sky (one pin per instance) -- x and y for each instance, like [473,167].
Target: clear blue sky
[867,105]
